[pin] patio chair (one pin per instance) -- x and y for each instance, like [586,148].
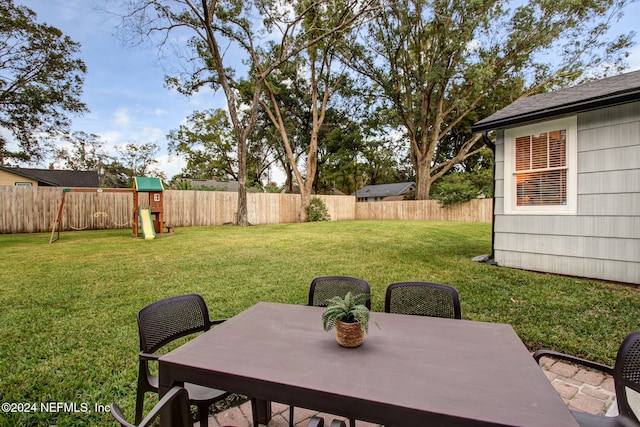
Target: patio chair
[325,287]
[626,378]
[423,299]
[176,393]
[161,323]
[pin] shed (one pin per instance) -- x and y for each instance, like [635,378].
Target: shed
[567,181]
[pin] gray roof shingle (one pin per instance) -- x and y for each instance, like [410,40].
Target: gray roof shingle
[58,178]
[384,190]
[583,97]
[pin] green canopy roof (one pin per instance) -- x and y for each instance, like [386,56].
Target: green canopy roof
[147,184]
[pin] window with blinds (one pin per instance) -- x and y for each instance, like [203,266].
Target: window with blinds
[541,169]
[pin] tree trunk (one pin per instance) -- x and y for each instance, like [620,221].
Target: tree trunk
[421,160]
[305,199]
[242,218]
[306,188]
[423,181]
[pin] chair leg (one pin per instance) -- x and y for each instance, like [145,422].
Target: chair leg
[203,414]
[291,415]
[352,423]
[139,405]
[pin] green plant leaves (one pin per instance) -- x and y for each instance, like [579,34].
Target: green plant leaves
[349,309]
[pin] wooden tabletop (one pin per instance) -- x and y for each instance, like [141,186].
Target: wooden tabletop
[410,371]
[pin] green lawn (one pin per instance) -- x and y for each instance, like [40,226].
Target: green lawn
[68,329]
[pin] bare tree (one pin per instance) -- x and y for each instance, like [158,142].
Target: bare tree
[329,29]
[224,32]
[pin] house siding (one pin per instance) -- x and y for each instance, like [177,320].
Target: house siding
[602,240]
[8,178]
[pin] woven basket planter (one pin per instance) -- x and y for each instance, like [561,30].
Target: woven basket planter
[349,335]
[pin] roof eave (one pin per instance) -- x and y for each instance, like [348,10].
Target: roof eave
[561,110]
[24,175]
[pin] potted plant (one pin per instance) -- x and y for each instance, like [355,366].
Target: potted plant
[349,316]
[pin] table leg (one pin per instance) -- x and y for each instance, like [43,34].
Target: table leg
[261,411]
[170,416]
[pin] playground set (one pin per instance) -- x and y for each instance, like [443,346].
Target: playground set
[148,221]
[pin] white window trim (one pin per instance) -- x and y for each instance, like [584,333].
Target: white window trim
[510,135]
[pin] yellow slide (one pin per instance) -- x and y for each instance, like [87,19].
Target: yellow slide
[146,223]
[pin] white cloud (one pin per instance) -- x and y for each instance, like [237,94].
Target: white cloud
[121,117]
[160,112]
[112,137]
[171,165]
[148,134]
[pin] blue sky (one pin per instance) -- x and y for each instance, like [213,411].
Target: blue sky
[124,86]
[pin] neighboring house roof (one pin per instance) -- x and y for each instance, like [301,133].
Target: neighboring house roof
[57,178]
[385,190]
[583,97]
[296,190]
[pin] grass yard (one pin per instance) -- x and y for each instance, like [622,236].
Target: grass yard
[68,320]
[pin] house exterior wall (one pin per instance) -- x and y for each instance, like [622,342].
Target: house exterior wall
[8,178]
[602,239]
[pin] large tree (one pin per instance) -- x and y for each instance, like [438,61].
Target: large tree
[230,38]
[40,82]
[207,141]
[213,26]
[329,29]
[80,151]
[244,28]
[437,62]
[139,159]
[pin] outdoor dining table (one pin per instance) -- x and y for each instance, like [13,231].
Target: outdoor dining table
[410,371]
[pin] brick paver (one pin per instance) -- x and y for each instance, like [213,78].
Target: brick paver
[563,369]
[581,389]
[589,376]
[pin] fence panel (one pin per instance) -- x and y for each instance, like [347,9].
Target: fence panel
[340,208]
[479,210]
[34,209]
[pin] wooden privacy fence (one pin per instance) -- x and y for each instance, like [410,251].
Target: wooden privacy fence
[34,209]
[478,210]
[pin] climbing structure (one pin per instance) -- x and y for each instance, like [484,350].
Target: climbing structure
[153,211]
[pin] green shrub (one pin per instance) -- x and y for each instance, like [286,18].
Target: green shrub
[317,210]
[461,187]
